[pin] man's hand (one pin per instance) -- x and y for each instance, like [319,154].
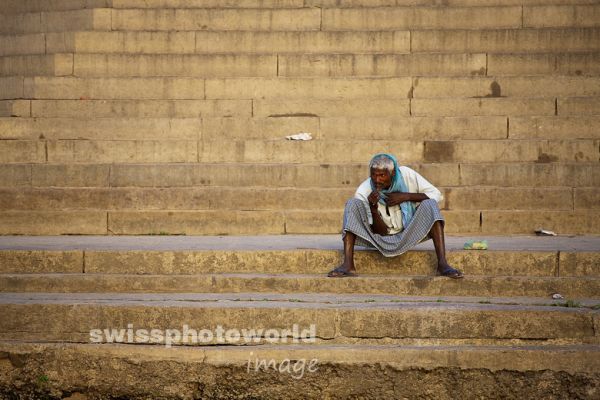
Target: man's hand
[393,199]
[373,198]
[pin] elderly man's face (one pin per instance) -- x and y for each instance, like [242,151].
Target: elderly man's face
[381,178]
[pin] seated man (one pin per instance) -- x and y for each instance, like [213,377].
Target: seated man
[393,210]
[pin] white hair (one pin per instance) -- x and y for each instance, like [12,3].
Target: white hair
[382,162]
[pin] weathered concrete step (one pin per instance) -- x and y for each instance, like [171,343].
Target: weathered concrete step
[167,255]
[37,65]
[340,371]
[232,88]
[26,6]
[305,18]
[116,65]
[56,21]
[210,128]
[507,86]
[472,285]
[578,106]
[255,19]
[127,108]
[211,42]
[242,19]
[178,175]
[285,151]
[394,18]
[418,41]
[71,88]
[324,3]
[232,65]
[103,128]
[272,198]
[492,106]
[69,317]
[281,175]
[378,111]
[440,64]
[246,222]
[347,175]
[543,64]
[388,18]
[506,40]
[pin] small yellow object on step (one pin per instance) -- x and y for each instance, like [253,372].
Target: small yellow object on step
[476,245]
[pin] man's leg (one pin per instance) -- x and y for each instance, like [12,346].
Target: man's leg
[347,267]
[437,235]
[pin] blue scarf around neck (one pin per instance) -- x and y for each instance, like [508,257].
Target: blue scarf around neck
[398,185]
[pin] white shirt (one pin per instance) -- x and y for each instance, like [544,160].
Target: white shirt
[415,184]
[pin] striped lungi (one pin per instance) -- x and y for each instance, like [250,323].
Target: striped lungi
[356,220]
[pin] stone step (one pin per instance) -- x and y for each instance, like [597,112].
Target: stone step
[27,6]
[472,285]
[37,65]
[243,19]
[56,21]
[285,151]
[506,40]
[543,16]
[440,64]
[165,88]
[299,65]
[304,19]
[305,65]
[347,175]
[105,19]
[273,222]
[398,18]
[325,3]
[235,88]
[416,41]
[70,317]
[525,256]
[103,128]
[543,64]
[578,106]
[127,108]
[321,129]
[490,106]
[243,109]
[269,198]
[517,86]
[205,42]
[410,128]
[316,371]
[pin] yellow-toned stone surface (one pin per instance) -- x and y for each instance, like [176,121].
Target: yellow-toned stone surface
[138,108]
[125,65]
[53,222]
[302,19]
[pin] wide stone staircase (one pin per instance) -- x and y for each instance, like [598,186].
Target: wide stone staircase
[140,117]
[168,118]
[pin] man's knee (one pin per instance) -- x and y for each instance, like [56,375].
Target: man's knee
[354,203]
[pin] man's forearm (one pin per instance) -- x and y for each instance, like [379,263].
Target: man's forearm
[417,197]
[378,226]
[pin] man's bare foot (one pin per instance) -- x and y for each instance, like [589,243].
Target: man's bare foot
[448,271]
[342,271]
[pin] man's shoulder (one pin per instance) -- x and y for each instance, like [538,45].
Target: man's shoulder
[404,169]
[364,188]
